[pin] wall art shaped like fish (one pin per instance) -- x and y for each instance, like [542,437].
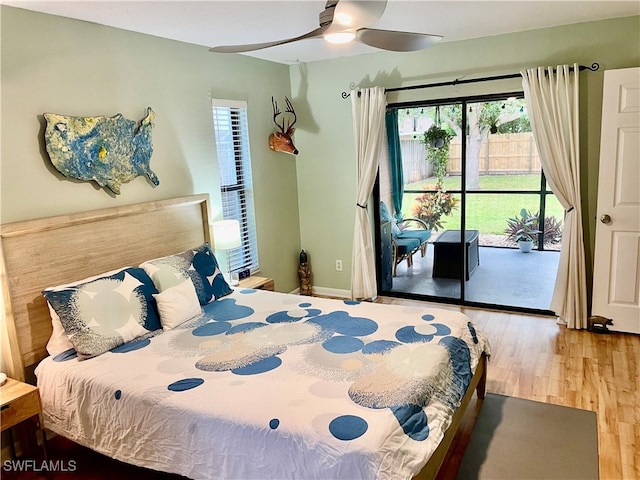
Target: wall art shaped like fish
[107,150]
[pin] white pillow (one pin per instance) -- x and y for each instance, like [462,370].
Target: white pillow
[59,341]
[177,304]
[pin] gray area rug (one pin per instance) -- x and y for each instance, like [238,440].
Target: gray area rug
[520,439]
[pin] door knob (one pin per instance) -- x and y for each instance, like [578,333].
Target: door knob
[605,218]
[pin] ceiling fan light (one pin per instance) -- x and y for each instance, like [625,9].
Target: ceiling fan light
[339,37]
[343,18]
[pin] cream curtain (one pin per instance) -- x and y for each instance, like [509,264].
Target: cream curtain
[552,100]
[368,110]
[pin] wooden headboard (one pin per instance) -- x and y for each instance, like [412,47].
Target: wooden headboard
[41,253]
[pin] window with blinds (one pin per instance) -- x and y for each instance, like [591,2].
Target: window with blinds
[234,164]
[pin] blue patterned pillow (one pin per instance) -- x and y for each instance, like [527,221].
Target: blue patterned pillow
[106,311]
[198,264]
[385,216]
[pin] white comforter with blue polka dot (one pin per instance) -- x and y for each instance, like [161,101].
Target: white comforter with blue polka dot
[273,386]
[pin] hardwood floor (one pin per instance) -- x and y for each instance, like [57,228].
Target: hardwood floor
[534,358]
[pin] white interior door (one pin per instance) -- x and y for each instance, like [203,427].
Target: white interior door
[616,276]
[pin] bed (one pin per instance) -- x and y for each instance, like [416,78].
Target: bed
[254,384]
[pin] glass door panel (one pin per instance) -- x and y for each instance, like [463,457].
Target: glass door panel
[491,173]
[431,159]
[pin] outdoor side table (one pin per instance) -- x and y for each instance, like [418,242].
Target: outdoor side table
[448,254]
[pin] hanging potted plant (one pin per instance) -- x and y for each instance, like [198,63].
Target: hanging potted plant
[436,140]
[430,207]
[437,137]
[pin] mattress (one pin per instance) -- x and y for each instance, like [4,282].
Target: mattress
[271,385]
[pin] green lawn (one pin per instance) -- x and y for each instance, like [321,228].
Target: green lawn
[489,213]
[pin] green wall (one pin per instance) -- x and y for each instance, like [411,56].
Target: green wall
[53,64]
[70,67]
[326,169]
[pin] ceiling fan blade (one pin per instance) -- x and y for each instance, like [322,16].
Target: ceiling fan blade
[396,41]
[259,46]
[356,13]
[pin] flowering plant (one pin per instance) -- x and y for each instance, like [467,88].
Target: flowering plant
[430,207]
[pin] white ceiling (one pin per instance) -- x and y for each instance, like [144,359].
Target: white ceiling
[213,23]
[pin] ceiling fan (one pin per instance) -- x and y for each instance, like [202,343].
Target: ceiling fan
[342,21]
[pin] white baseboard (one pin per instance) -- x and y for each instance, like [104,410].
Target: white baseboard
[331,292]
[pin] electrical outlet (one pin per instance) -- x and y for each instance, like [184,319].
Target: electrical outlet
[339,265]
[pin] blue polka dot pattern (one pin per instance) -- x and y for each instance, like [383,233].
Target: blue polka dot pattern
[286,317]
[226,310]
[211,328]
[185,384]
[441,329]
[343,352]
[292,316]
[117,395]
[379,346]
[66,355]
[351,302]
[260,366]
[409,335]
[131,346]
[348,427]
[342,344]
[343,323]
[460,357]
[413,421]
[247,291]
[245,327]
[473,332]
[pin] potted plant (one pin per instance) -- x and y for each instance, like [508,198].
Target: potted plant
[523,230]
[436,140]
[525,242]
[437,137]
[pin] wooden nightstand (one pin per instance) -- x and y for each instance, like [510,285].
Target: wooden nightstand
[258,283]
[20,402]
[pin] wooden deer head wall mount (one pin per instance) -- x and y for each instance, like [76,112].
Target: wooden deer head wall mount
[281,141]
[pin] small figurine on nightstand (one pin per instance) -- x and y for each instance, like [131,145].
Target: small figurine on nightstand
[304,273]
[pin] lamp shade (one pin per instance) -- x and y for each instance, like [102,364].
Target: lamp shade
[226,234]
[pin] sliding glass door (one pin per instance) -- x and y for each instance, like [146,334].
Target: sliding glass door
[472,175]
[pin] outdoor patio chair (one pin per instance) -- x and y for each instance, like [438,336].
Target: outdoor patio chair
[407,236]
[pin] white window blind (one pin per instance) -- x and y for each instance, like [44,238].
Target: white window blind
[236,187]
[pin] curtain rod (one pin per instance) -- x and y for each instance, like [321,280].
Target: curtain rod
[593,68]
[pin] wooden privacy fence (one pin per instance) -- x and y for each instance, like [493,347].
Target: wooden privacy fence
[512,153]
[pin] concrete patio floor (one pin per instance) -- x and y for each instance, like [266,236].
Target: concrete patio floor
[505,277]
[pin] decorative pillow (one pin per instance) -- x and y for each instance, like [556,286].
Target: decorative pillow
[198,264]
[177,304]
[59,341]
[385,216]
[103,312]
